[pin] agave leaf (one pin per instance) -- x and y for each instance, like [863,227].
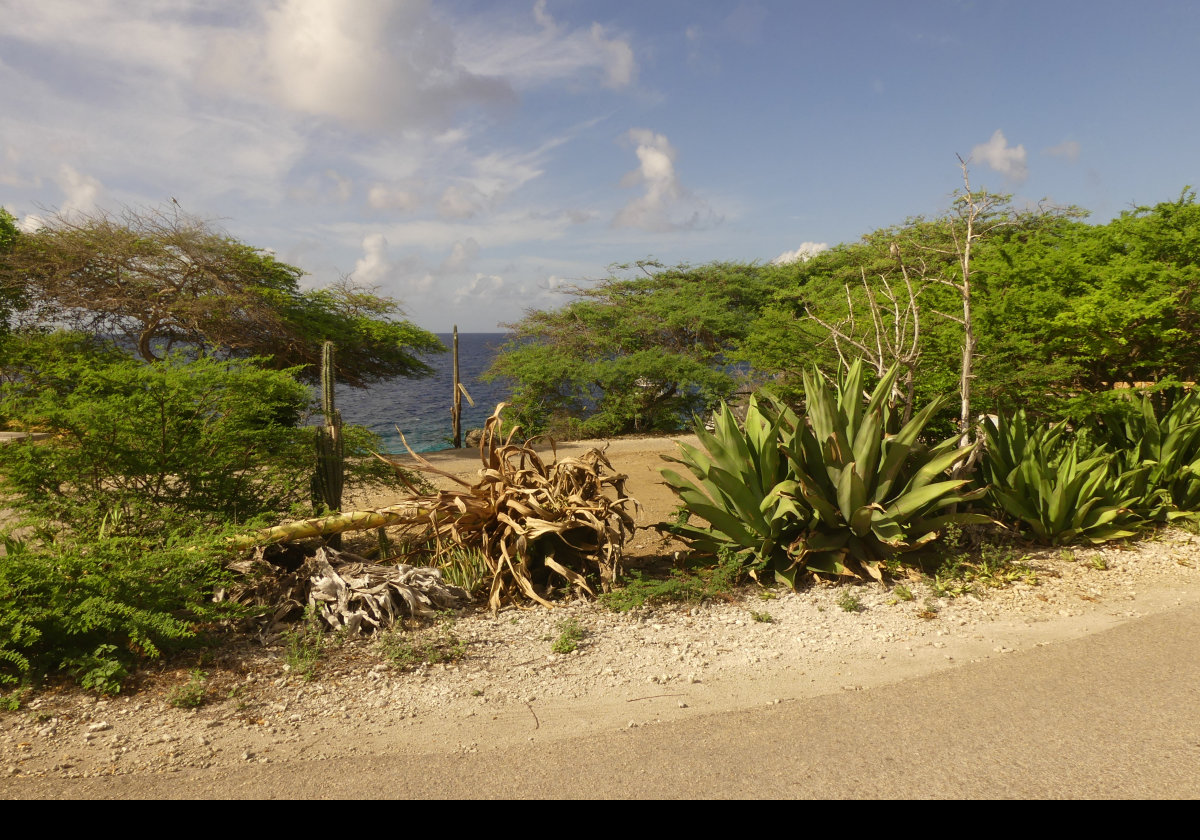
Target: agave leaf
[880,400]
[828,562]
[861,521]
[744,498]
[827,423]
[934,467]
[911,503]
[866,446]
[851,492]
[887,530]
[692,458]
[850,399]
[812,494]
[937,523]
[900,448]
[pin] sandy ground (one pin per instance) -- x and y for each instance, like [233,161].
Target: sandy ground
[641,675]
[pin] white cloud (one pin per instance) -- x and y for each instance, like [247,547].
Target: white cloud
[619,65]
[461,255]
[373,267]
[1068,149]
[1005,159]
[483,286]
[31,223]
[461,201]
[491,46]
[664,197]
[745,23]
[805,252]
[81,192]
[343,187]
[329,186]
[371,63]
[393,197]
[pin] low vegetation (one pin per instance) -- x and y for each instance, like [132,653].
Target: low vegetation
[859,455]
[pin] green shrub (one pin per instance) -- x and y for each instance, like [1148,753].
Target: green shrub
[137,447]
[570,634]
[95,608]
[837,491]
[191,694]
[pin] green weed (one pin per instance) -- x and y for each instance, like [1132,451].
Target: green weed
[849,602]
[190,695]
[764,617]
[693,586]
[11,702]
[992,567]
[305,647]
[1098,563]
[405,653]
[569,636]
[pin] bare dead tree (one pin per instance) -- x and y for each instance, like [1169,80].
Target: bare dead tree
[891,334]
[976,215]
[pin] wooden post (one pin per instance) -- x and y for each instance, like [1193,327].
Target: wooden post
[456,411]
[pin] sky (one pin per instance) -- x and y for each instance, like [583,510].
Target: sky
[475,159]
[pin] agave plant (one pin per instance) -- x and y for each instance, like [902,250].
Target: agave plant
[743,488]
[837,491]
[1060,490]
[874,488]
[1168,446]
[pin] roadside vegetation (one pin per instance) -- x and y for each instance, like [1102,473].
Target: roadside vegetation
[922,402]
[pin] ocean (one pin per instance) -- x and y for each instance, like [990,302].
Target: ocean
[421,407]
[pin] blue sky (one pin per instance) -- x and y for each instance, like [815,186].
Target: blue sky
[471,159]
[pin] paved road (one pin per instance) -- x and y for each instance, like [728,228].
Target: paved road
[1114,714]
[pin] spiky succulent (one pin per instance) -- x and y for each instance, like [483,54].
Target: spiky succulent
[854,484]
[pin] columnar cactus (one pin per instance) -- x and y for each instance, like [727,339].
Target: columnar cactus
[331,463]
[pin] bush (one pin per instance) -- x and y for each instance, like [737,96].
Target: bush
[94,608]
[137,447]
[639,354]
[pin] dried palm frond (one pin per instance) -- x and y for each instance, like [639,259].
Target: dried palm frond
[533,521]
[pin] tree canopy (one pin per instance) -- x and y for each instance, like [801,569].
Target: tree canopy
[156,281]
[8,294]
[1061,312]
[636,353]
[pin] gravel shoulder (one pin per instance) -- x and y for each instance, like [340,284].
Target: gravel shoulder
[631,670]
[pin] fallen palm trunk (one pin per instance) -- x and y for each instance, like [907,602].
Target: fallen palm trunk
[407,513]
[535,522]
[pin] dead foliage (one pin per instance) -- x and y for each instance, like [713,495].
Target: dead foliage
[540,525]
[343,590]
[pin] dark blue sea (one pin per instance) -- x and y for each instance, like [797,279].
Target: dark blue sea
[421,407]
